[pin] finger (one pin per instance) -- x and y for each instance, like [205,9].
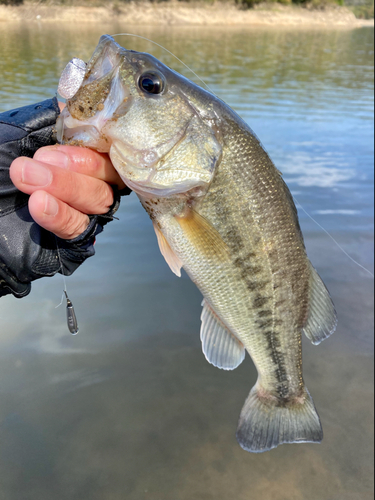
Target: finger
[61,105]
[84,193]
[81,160]
[56,216]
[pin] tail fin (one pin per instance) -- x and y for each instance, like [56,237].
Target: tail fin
[265,424]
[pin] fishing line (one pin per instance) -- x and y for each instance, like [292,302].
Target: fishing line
[61,269]
[71,317]
[204,83]
[169,52]
[62,133]
[333,239]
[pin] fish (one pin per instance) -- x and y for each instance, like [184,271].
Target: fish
[222,212]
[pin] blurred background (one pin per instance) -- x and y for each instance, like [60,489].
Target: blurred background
[129,409]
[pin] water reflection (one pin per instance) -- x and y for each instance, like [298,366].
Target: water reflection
[129,409]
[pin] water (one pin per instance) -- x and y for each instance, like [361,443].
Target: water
[129,409]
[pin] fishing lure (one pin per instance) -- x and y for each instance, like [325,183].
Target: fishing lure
[71,78]
[71,316]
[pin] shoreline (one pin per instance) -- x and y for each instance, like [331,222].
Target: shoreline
[180,14]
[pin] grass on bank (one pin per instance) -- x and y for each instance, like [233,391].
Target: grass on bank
[363,9]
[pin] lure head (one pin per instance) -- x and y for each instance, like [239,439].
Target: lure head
[71,78]
[159,128]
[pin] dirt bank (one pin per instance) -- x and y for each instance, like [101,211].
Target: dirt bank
[185,14]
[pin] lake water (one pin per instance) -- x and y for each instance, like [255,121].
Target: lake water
[129,409]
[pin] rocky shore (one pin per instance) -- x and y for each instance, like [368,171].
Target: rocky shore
[178,13]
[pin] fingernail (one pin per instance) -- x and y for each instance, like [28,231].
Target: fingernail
[52,157]
[35,175]
[51,206]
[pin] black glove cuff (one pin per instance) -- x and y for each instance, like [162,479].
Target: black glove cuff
[10,284]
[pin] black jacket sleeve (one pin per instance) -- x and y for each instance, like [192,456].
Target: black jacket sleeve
[27,251]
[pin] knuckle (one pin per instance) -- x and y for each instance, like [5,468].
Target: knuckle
[104,196]
[89,196]
[70,225]
[85,161]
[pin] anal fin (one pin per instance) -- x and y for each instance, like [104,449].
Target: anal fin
[322,320]
[220,347]
[170,257]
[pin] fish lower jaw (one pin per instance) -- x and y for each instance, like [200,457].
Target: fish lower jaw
[150,188]
[75,132]
[146,180]
[99,143]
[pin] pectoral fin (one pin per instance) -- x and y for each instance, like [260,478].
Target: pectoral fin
[170,257]
[203,236]
[221,348]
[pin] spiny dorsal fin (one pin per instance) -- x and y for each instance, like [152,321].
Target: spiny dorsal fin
[220,347]
[322,320]
[170,257]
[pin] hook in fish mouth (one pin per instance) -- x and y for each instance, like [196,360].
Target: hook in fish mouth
[71,78]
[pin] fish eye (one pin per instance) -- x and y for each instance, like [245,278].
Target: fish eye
[152,83]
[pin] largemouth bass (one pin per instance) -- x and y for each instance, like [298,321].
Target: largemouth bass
[221,211]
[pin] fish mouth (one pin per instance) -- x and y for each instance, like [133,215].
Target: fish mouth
[107,56]
[102,97]
[94,118]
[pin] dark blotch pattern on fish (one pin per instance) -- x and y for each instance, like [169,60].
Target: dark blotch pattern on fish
[249,271]
[264,323]
[265,313]
[260,301]
[278,359]
[234,241]
[250,267]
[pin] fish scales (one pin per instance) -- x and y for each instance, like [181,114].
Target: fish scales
[222,211]
[257,245]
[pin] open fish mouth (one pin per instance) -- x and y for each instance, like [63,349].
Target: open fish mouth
[96,95]
[130,105]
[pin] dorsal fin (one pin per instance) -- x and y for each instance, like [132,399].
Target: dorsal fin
[220,347]
[170,257]
[322,320]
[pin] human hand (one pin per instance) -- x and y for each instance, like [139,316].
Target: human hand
[65,183]
[76,183]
